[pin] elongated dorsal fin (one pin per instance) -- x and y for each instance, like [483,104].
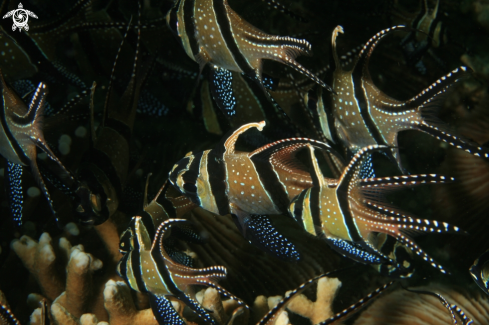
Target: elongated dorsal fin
[36,105]
[228,143]
[338,30]
[282,153]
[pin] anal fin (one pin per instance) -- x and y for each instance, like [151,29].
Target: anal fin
[261,233]
[14,191]
[164,311]
[353,252]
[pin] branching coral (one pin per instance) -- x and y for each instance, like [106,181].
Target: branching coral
[122,310]
[77,293]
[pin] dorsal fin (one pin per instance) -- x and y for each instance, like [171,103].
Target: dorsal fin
[228,143]
[361,63]
[338,30]
[279,145]
[36,105]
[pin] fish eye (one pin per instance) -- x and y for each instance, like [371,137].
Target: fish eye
[125,244]
[190,187]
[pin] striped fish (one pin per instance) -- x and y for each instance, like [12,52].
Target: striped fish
[263,182]
[20,135]
[104,169]
[428,31]
[347,211]
[480,272]
[211,32]
[147,267]
[363,115]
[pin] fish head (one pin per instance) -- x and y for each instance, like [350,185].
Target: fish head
[89,208]
[126,243]
[186,177]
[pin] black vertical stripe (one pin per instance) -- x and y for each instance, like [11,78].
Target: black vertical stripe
[342,195]
[188,17]
[148,222]
[15,145]
[136,263]
[191,175]
[315,205]
[165,203]
[361,96]
[122,267]
[216,172]
[158,258]
[271,183]
[180,165]
[298,208]
[225,27]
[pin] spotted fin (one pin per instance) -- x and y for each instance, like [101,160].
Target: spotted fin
[188,233]
[14,191]
[285,150]
[443,134]
[226,86]
[261,233]
[164,311]
[367,169]
[176,255]
[150,105]
[7,317]
[177,274]
[36,106]
[385,217]
[355,252]
[221,86]
[392,182]
[480,272]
